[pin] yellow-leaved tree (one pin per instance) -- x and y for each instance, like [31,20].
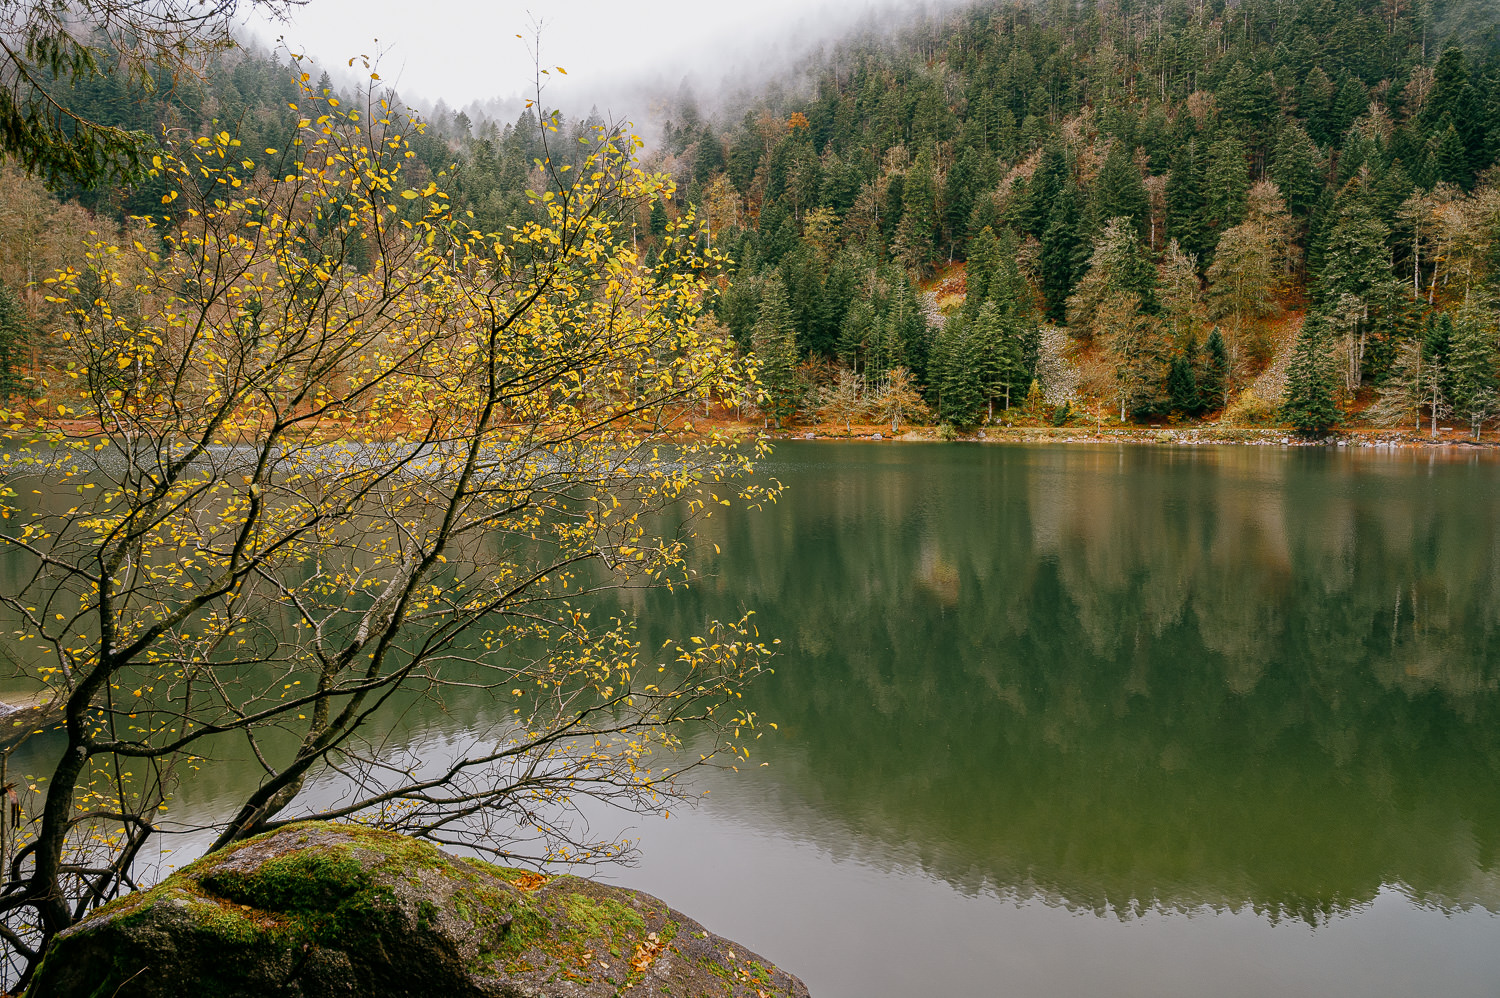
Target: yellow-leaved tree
[324,452]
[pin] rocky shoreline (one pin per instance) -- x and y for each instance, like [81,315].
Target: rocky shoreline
[1180,436]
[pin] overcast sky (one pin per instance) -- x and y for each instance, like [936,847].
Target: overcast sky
[460,51]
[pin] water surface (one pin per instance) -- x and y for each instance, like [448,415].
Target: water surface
[1076,720]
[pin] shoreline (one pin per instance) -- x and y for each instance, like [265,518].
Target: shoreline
[1449,440]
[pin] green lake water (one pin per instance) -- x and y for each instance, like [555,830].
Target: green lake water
[1101,720]
[1091,720]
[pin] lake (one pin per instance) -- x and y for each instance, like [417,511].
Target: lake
[1080,720]
[1068,720]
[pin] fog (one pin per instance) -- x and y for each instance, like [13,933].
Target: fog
[620,58]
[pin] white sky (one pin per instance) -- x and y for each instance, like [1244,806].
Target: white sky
[466,50]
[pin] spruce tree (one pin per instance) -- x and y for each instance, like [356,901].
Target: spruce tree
[1309,405]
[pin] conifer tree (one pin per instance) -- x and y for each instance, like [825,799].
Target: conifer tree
[1295,164]
[1474,387]
[1226,186]
[1119,191]
[913,245]
[984,262]
[1213,384]
[1182,386]
[13,344]
[1065,253]
[1118,269]
[961,372]
[1401,395]
[775,343]
[854,335]
[1185,202]
[1309,405]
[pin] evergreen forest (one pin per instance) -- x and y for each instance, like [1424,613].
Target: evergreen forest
[1273,211]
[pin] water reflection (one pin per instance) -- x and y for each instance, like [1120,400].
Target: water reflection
[1130,679]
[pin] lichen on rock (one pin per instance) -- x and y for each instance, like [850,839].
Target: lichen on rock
[318,910]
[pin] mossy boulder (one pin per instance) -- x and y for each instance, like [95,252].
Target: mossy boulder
[318,910]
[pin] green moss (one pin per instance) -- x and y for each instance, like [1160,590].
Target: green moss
[303,883]
[601,918]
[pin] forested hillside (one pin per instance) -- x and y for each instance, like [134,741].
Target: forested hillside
[1266,211]
[1173,185]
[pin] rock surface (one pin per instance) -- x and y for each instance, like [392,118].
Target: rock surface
[318,910]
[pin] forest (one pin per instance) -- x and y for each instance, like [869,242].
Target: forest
[1264,212]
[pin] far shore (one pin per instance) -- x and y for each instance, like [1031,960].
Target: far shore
[1449,437]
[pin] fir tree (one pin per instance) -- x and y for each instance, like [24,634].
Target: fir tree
[1182,386]
[1474,387]
[984,262]
[1295,166]
[1065,253]
[1355,259]
[1213,385]
[1119,191]
[775,343]
[1226,185]
[1309,405]
[960,371]
[1185,204]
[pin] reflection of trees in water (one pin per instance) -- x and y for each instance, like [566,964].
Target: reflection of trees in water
[1136,677]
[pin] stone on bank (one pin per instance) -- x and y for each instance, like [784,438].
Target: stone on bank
[318,910]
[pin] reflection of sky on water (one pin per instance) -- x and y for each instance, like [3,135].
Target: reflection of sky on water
[855,925]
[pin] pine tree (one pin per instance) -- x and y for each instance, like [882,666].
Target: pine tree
[775,343]
[1309,405]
